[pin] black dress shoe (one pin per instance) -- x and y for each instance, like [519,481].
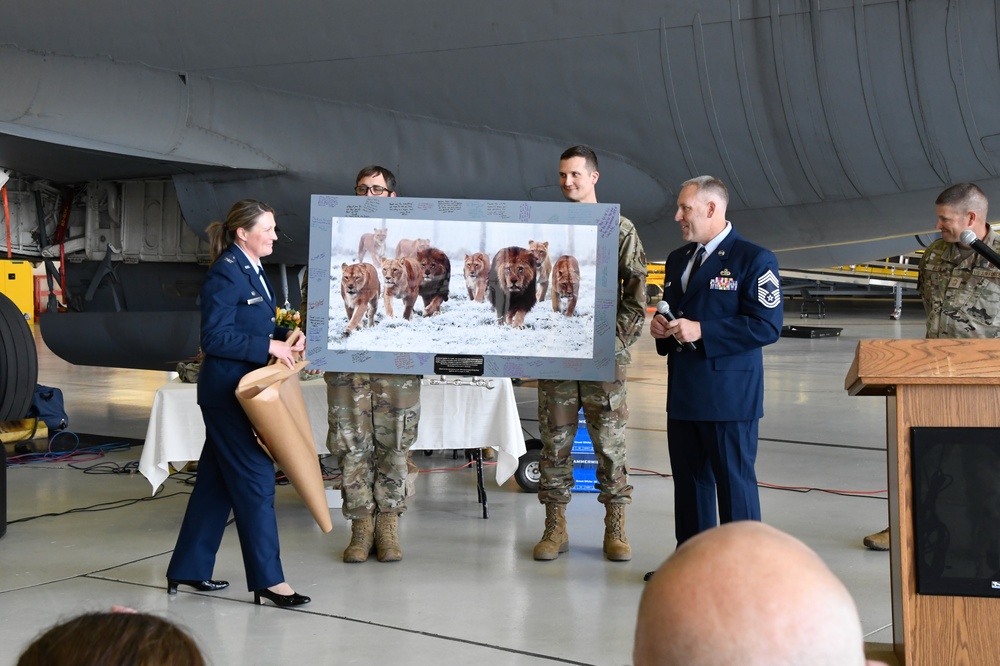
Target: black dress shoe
[283,600]
[649,574]
[200,585]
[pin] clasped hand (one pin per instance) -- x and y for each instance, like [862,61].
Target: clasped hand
[285,352]
[683,330]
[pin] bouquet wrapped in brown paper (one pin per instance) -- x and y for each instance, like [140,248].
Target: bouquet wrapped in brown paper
[272,399]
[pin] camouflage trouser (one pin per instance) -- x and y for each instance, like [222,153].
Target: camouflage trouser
[606,413]
[373,422]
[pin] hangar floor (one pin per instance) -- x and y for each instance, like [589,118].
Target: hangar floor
[467,590]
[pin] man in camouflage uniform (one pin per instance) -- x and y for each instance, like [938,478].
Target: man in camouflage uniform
[959,288]
[604,405]
[373,423]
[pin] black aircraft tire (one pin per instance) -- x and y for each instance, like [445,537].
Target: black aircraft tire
[527,473]
[18,362]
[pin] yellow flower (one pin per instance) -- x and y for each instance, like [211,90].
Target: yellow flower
[288,318]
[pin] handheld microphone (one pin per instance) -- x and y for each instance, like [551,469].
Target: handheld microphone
[662,344]
[968,237]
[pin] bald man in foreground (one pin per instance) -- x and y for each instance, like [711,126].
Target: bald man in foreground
[747,594]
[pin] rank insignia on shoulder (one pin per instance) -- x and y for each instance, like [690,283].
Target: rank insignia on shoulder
[230,260]
[769,290]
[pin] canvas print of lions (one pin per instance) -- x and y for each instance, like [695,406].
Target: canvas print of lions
[495,301]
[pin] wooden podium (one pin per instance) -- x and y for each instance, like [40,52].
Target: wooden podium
[943,383]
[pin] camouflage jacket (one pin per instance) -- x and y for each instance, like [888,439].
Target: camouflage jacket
[632,290]
[960,290]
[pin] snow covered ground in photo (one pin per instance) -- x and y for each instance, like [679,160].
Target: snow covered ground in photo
[466,327]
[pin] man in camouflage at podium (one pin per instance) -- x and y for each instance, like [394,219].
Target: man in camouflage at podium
[960,289]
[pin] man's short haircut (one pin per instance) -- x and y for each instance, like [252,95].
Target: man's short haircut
[375,170]
[710,183]
[586,152]
[965,196]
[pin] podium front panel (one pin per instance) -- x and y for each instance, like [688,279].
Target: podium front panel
[956,510]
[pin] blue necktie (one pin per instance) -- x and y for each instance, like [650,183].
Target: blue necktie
[698,258]
[263,282]
[695,265]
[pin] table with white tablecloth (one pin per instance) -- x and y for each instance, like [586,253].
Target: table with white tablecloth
[176,431]
[463,415]
[471,413]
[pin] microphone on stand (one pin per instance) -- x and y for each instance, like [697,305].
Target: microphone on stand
[968,237]
[663,344]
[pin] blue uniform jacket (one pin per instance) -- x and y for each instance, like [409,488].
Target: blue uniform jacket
[736,297]
[237,324]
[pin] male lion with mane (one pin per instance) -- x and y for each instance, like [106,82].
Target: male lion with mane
[360,289]
[436,274]
[511,285]
[402,280]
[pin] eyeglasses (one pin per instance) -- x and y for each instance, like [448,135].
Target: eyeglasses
[377,190]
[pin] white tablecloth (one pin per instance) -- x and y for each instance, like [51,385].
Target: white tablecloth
[451,417]
[176,431]
[472,417]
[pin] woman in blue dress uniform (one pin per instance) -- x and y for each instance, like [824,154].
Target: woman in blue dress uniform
[238,335]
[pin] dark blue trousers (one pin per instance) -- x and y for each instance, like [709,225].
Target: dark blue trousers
[712,459]
[234,474]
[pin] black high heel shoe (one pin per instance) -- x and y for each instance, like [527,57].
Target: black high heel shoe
[283,600]
[200,585]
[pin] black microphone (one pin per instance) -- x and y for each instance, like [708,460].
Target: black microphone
[968,237]
[663,344]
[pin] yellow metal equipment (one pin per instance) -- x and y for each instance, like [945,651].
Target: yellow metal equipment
[16,284]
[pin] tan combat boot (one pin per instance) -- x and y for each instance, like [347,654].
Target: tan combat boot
[555,540]
[387,538]
[362,539]
[877,541]
[616,546]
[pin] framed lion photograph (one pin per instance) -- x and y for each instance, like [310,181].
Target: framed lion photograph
[435,286]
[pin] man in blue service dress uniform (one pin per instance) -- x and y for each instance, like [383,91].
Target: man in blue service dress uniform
[725,294]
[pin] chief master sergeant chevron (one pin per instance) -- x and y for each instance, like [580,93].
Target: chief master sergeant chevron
[729,305]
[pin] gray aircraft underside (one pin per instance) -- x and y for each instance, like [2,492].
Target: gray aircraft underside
[835,124]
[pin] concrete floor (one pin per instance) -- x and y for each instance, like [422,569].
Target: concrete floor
[467,590]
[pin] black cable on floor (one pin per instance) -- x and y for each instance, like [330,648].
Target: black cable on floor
[104,506]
